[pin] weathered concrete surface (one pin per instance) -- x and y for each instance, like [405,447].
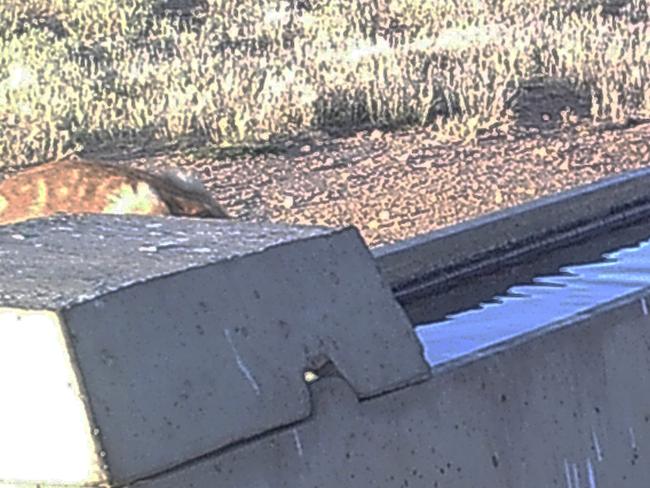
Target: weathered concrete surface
[185,336]
[96,254]
[568,408]
[411,265]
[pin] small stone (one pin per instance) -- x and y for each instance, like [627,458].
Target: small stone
[287,202]
[540,152]
[310,376]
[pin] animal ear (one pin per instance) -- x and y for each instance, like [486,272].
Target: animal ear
[184,180]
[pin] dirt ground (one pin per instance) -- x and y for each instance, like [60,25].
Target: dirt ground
[395,185]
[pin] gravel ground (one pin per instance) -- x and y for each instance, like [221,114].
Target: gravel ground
[394,185]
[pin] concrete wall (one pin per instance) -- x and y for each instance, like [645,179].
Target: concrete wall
[569,408]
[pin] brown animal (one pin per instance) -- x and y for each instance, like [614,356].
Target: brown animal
[80,186]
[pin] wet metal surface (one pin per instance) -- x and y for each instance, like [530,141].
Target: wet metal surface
[523,309]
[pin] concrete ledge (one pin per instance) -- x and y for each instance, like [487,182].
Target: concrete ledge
[409,267]
[160,340]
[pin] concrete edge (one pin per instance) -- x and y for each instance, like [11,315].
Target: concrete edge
[566,215]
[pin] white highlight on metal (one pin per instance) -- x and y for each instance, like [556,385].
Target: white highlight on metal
[240,363]
[599,452]
[590,474]
[632,438]
[567,474]
[644,306]
[296,439]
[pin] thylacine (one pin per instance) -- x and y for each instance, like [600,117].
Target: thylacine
[79,186]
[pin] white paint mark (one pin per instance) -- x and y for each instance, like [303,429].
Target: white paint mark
[147,249]
[296,439]
[590,473]
[567,474]
[599,452]
[203,250]
[240,363]
[644,306]
[576,475]
[632,438]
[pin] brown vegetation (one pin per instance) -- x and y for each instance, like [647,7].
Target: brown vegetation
[229,74]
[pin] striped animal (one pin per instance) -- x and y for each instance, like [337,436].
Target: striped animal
[75,186]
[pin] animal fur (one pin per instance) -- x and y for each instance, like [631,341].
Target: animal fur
[80,186]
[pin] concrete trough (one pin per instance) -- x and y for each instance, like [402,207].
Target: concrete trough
[565,405]
[449,261]
[132,345]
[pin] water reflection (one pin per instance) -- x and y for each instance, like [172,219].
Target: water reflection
[527,307]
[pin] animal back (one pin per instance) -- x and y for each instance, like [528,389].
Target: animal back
[78,186]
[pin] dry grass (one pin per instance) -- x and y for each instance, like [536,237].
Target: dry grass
[223,73]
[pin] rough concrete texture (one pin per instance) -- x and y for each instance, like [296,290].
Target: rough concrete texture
[569,408]
[50,263]
[513,230]
[193,335]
